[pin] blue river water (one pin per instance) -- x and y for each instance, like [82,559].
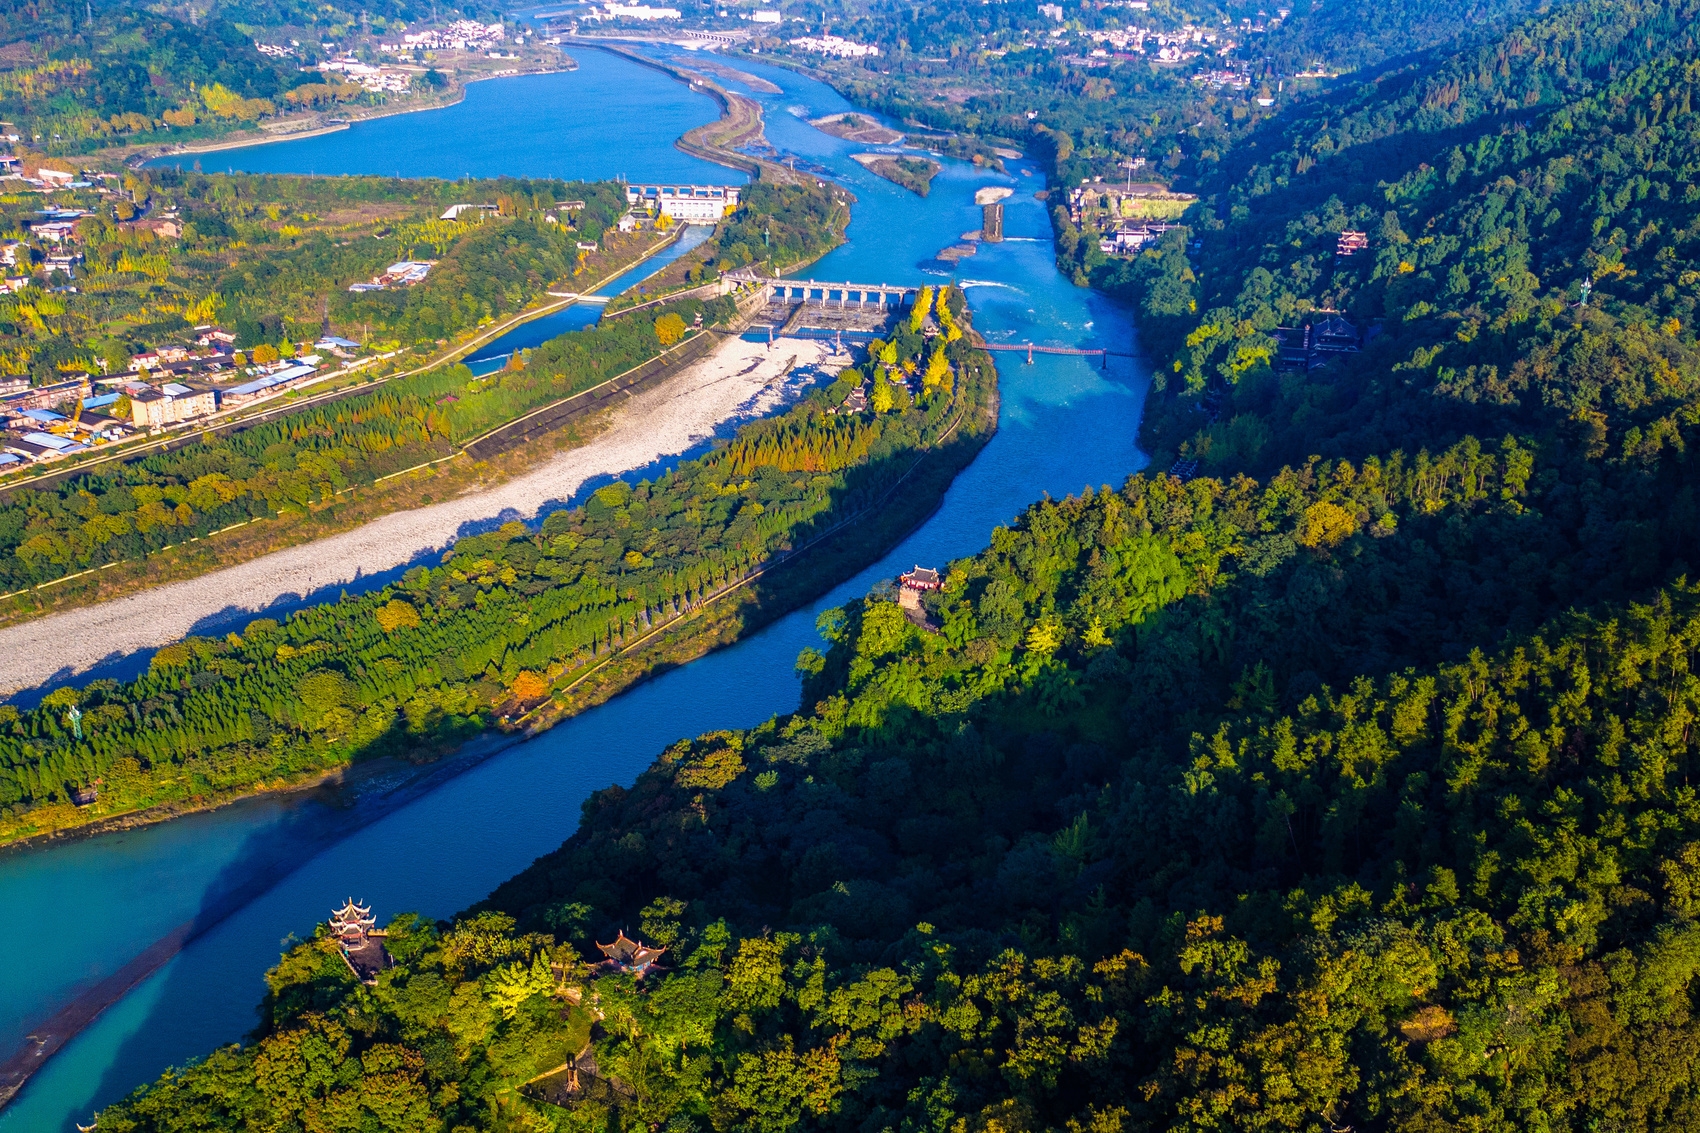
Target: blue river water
[493,355]
[251,875]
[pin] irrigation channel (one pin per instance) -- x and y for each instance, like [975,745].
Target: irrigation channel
[238,882]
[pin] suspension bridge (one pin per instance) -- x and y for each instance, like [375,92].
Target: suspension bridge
[1030,349]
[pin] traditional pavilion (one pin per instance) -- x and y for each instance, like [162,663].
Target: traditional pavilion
[910,587]
[355,929]
[627,955]
[921,580]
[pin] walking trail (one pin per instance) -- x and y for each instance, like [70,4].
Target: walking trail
[739,380]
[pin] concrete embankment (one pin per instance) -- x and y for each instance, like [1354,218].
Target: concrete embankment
[737,380]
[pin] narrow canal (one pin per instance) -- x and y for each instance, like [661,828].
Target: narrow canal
[249,876]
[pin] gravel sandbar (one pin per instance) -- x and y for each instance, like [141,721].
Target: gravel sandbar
[739,380]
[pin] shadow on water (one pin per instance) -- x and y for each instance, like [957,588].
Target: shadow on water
[317,824]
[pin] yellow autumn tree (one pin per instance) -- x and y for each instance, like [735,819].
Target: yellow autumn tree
[923,304]
[205,311]
[1326,524]
[528,686]
[397,614]
[226,103]
[882,399]
[669,328]
[938,367]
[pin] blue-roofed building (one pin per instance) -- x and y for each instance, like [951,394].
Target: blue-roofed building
[268,382]
[57,444]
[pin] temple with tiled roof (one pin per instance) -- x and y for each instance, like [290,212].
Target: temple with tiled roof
[355,929]
[628,955]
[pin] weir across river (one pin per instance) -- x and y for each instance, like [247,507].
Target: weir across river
[822,293]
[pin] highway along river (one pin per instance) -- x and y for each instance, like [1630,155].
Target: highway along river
[238,882]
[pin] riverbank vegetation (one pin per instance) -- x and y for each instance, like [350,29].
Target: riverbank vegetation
[913,173]
[494,628]
[1346,785]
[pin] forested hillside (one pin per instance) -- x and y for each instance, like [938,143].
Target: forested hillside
[1492,190]
[78,77]
[1348,785]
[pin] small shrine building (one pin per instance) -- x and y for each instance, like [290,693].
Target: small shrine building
[355,929]
[627,955]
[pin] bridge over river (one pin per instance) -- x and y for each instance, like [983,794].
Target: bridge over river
[1030,349]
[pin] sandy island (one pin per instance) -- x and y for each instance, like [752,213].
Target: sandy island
[740,379]
[855,126]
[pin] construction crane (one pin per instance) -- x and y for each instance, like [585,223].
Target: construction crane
[68,427]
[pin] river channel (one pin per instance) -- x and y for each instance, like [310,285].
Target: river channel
[243,879]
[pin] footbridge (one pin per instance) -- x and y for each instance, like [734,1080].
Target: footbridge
[1030,349]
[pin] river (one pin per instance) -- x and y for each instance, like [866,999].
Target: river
[250,875]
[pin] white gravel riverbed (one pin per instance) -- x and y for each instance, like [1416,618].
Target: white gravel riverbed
[738,381]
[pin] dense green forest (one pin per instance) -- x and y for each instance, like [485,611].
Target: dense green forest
[1529,218]
[1348,785]
[503,620]
[122,512]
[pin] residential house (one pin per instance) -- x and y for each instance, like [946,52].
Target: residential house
[169,404]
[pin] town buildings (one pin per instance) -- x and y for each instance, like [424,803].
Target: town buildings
[641,12]
[170,403]
[462,35]
[836,46]
[367,76]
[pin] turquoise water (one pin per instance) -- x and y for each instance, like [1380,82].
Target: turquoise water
[253,874]
[609,118]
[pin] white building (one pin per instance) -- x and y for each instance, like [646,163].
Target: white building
[694,204]
[641,12]
[834,45]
